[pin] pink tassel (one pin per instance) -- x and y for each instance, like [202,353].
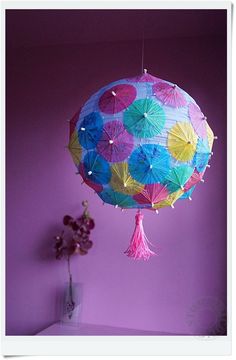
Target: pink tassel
[138,248]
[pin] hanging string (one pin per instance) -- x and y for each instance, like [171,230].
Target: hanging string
[142,61]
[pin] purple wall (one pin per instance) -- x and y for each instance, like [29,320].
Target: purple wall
[181,291]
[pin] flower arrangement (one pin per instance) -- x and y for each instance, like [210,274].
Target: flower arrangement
[74,239]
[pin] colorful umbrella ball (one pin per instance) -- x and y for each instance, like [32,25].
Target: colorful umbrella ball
[141,142]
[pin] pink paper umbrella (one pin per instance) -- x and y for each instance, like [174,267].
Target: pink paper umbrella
[152,194]
[198,120]
[117,98]
[193,180]
[145,77]
[116,143]
[169,94]
[96,187]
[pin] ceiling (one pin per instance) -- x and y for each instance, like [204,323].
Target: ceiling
[30,28]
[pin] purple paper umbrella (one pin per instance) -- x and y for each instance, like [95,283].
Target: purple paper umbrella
[73,122]
[198,120]
[116,143]
[169,95]
[117,98]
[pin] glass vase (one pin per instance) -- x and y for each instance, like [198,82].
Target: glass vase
[72,301]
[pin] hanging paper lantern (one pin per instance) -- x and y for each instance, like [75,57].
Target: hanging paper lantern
[142,143]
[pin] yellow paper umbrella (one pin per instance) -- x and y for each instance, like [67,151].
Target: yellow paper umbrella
[182,141]
[210,136]
[170,200]
[75,148]
[121,180]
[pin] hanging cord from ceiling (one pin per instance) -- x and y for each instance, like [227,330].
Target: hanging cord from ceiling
[143,26]
[142,56]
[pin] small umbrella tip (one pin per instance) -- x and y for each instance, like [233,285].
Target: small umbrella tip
[145,71]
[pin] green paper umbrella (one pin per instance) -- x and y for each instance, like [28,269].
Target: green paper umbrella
[144,118]
[115,198]
[177,177]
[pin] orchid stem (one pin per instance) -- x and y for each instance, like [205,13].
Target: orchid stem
[71,301]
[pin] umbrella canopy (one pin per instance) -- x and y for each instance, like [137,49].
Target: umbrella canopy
[117,199]
[96,168]
[177,177]
[122,181]
[117,98]
[75,148]
[73,122]
[169,201]
[144,118]
[187,194]
[169,94]
[202,155]
[182,141]
[198,120]
[210,136]
[149,164]
[90,130]
[96,187]
[145,78]
[195,178]
[116,143]
[141,142]
[152,194]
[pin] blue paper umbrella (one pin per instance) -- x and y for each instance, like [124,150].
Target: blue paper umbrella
[187,194]
[202,155]
[177,177]
[90,130]
[96,168]
[149,164]
[117,199]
